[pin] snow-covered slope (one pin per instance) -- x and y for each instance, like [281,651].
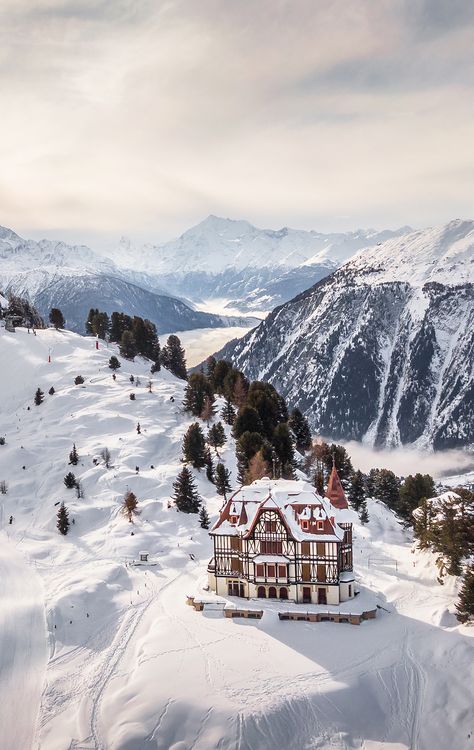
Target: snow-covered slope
[120,662]
[382,350]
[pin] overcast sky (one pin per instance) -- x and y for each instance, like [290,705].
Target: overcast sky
[141,117]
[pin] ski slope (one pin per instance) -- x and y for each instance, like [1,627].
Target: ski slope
[112,658]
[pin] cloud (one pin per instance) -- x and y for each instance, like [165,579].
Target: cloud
[404,461]
[144,116]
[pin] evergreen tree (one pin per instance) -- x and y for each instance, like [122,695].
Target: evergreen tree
[198,394]
[63,520]
[228,413]
[318,479]
[216,436]
[114,364]
[240,390]
[248,444]
[209,465]
[186,496]
[269,405]
[56,318]
[194,446]
[92,313]
[130,506]
[363,513]
[128,348]
[411,491]
[220,370]
[465,603]
[357,491]
[283,447]
[70,480]
[247,420]
[39,397]
[173,357]
[222,480]
[73,457]
[156,357]
[100,325]
[204,519]
[299,426]
[51,391]
[422,519]
[210,365]
[448,537]
[387,488]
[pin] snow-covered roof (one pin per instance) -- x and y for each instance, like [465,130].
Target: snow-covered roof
[306,515]
[270,558]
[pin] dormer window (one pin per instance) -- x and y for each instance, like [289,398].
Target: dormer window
[233,520]
[305,525]
[320,525]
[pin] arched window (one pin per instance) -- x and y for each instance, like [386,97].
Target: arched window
[272,592]
[261,593]
[283,593]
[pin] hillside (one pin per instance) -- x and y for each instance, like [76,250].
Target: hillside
[103,654]
[385,344]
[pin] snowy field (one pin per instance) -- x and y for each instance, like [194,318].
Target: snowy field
[96,653]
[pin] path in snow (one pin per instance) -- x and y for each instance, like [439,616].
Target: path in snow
[23,648]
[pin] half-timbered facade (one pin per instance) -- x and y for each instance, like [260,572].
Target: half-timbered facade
[279,539]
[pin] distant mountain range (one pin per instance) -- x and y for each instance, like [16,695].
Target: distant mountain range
[382,350]
[252,269]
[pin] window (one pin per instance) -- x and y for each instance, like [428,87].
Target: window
[305,525]
[233,520]
[271,548]
[270,527]
[320,526]
[282,571]
[271,571]
[260,571]
[350,590]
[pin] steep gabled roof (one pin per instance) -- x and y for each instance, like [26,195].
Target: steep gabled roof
[335,491]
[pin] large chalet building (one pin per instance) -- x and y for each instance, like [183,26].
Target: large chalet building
[279,539]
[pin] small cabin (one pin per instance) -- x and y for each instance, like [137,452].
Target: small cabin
[143,556]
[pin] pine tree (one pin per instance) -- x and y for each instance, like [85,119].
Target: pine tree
[194,446]
[283,447]
[248,420]
[209,465]
[51,391]
[114,364]
[204,519]
[299,426]
[422,519]
[39,397]
[70,480]
[130,506]
[216,436]
[248,444]
[228,413]
[155,358]
[363,512]
[210,365]
[448,538]
[465,603]
[128,348]
[56,318]
[173,357]
[222,480]
[318,480]
[63,520]
[186,496]
[240,390]
[357,491]
[198,396]
[411,491]
[219,372]
[73,457]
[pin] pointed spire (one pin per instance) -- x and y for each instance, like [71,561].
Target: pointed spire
[334,490]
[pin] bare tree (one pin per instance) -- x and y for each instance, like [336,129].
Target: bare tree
[3,487]
[130,506]
[258,468]
[105,455]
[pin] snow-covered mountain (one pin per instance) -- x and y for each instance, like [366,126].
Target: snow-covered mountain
[256,269]
[75,278]
[382,350]
[98,652]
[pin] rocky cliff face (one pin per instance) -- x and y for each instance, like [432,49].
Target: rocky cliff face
[383,350]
